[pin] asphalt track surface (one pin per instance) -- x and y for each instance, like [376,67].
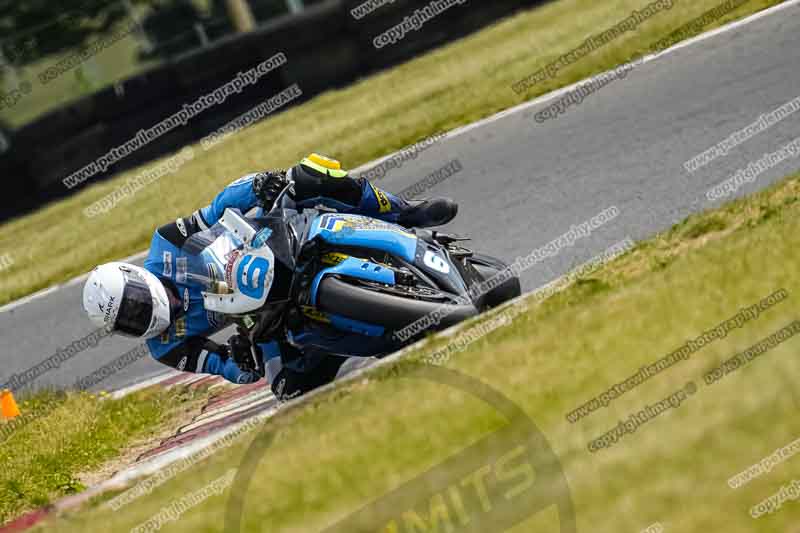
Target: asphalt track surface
[525,183]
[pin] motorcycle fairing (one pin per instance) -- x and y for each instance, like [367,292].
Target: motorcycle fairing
[355,268]
[434,261]
[250,274]
[354,326]
[365,232]
[343,323]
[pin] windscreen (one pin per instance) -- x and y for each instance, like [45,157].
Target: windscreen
[210,253]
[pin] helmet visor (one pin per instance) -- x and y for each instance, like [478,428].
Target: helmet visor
[135,310]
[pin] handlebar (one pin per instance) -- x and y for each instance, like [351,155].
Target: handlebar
[278,203]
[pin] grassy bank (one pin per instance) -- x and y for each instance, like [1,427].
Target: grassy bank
[339,452]
[450,87]
[61,439]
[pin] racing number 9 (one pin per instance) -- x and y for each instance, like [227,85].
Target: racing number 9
[435,261]
[250,276]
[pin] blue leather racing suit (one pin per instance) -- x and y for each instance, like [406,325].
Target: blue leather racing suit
[186,344]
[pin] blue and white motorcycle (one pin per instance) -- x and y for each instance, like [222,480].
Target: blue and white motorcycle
[353,275]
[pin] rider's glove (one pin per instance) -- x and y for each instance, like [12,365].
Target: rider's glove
[267,186]
[242,351]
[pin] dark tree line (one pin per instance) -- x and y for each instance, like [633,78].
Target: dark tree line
[33,29]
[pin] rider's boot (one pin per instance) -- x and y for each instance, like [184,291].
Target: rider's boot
[318,178]
[428,213]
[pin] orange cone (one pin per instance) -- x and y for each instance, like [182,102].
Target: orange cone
[8,406]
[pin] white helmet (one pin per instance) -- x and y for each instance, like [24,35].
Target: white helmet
[127,299]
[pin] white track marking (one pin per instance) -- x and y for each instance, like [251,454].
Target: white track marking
[155,380]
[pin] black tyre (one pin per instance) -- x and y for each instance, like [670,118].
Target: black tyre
[488,267]
[393,312]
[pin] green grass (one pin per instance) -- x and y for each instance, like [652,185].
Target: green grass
[452,86]
[65,434]
[346,447]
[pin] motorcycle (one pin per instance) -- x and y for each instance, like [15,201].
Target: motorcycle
[280,272]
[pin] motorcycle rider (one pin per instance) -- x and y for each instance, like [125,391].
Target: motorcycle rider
[157,304]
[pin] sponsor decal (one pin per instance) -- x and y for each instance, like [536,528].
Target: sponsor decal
[333,223]
[261,238]
[185,299]
[334,258]
[315,314]
[167,260]
[180,328]
[181,268]
[351,223]
[384,205]
[182,227]
[234,255]
[109,308]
